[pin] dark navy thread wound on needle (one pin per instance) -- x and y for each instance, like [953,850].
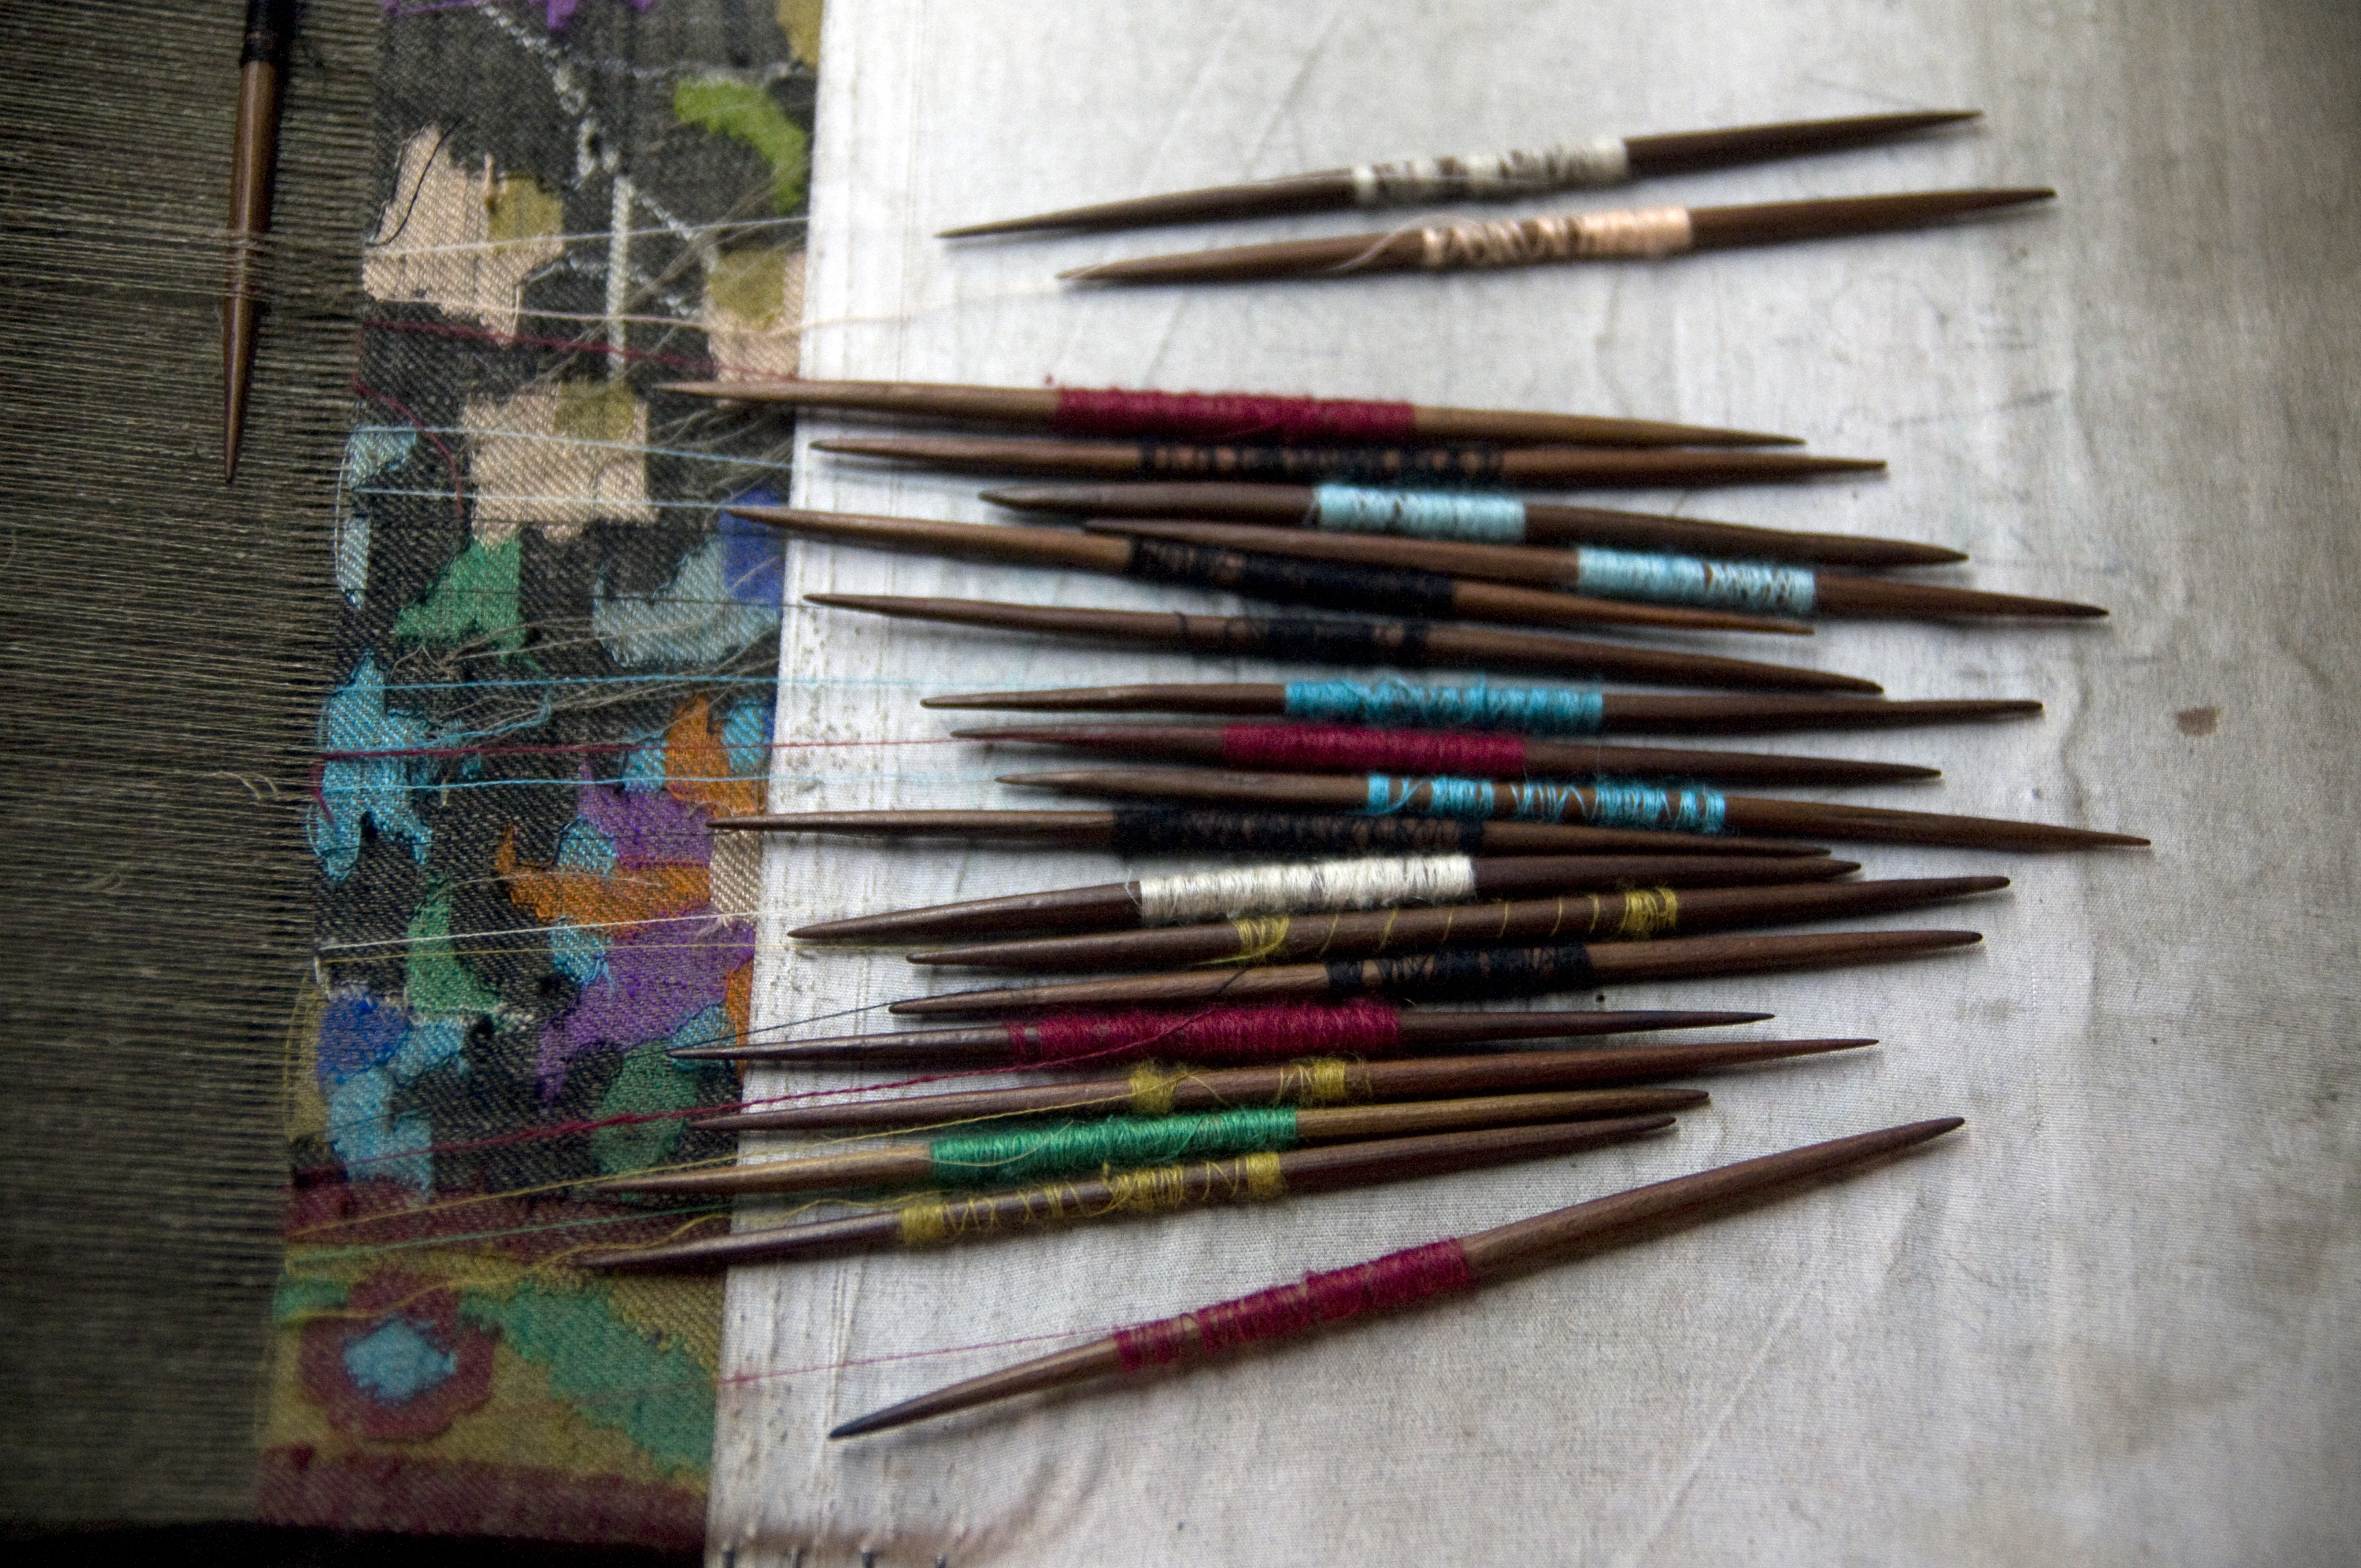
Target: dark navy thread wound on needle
[1492,971]
[1282,577]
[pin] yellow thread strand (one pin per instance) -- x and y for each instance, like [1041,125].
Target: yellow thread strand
[1323,1080]
[1647,911]
[924,1224]
[1152,1088]
[1259,937]
[1264,1177]
[1148,1191]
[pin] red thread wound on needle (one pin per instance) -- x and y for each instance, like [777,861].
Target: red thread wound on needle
[1228,416]
[1213,1035]
[1394,1280]
[1342,748]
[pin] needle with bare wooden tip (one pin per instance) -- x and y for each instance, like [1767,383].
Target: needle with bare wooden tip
[254,157]
[1024,1153]
[1532,710]
[1368,1027]
[1480,972]
[1639,914]
[1584,466]
[1642,235]
[1350,748]
[1254,577]
[1700,810]
[1327,1081]
[1339,639]
[1163,830]
[1596,164]
[1476,515]
[1247,1178]
[1300,886]
[1755,587]
[1222,416]
[1396,1281]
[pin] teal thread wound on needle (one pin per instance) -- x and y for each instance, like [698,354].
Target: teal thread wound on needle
[1422,514]
[1645,806]
[1538,710]
[1753,587]
[978,1158]
[1472,800]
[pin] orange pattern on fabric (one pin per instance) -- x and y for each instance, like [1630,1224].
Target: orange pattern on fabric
[587,898]
[697,765]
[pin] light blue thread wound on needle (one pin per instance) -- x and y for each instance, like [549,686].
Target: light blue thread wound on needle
[1537,710]
[1645,806]
[1472,800]
[1422,514]
[1682,579]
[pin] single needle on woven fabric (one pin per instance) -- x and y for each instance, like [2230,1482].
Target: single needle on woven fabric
[1596,164]
[254,157]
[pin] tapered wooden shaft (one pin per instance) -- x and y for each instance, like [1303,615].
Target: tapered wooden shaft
[1491,972]
[1485,1255]
[1332,748]
[1591,916]
[1254,576]
[1218,416]
[1669,231]
[1409,644]
[1462,464]
[1430,1078]
[914,1164]
[1021,1043]
[1120,905]
[1608,161]
[1314,792]
[1590,572]
[1618,711]
[254,157]
[1298,1173]
[1161,830]
[1536,522]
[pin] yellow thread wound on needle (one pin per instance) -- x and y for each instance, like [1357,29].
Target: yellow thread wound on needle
[1647,912]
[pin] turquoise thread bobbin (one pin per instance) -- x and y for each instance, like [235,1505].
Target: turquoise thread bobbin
[1537,710]
[1422,514]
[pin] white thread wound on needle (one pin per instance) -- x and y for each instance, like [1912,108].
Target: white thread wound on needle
[1306,885]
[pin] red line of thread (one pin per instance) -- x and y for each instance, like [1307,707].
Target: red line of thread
[1394,1280]
[450,458]
[1340,748]
[1215,1034]
[1232,416]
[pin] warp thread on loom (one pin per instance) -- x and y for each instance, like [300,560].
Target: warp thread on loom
[1335,748]
[1475,799]
[1394,1280]
[1539,710]
[1499,971]
[1202,416]
[1251,1179]
[1163,829]
[1191,897]
[1333,642]
[1646,232]
[1753,585]
[1212,1033]
[1325,1081]
[1479,518]
[1520,171]
[1442,464]
[1284,577]
[977,1159]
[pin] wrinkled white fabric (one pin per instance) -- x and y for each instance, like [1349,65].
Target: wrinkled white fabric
[2112,1322]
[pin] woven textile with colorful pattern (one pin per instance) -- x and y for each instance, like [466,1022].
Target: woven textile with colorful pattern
[558,665]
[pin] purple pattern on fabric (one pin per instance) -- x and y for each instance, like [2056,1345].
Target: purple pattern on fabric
[658,977]
[647,829]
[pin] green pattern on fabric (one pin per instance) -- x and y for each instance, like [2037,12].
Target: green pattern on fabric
[434,980]
[747,115]
[612,1374]
[649,1085]
[474,599]
[297,1299]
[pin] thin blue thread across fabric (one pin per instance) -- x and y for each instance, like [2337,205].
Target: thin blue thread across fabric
[1422,514]
[1750,586]
[1536,710]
